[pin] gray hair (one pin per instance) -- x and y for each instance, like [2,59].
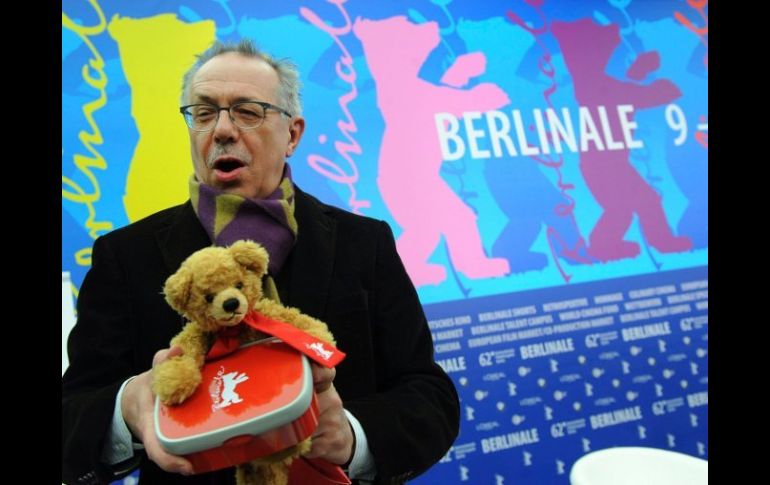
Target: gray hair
[288,75]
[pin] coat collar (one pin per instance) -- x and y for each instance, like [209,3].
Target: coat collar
[310,263]
[182,237]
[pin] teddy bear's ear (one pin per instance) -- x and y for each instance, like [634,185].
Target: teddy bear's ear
[178,288]
[250,255]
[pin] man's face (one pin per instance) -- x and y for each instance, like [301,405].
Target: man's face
[240,161]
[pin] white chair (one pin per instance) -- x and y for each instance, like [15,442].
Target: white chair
[638,466]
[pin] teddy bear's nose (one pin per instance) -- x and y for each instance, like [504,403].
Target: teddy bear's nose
[231,304]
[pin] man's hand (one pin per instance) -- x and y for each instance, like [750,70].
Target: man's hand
[137,405]
[333,438]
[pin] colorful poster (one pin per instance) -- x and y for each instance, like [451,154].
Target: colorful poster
[543,165]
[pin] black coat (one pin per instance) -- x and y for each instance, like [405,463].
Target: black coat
[343,270]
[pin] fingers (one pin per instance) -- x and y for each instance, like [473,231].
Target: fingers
[322,377]
[334,444]
[329,400]
[166,461]
[333,437]
[138,406]
[165,354]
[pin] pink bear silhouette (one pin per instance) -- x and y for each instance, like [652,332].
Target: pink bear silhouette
[410,159]
[613,181]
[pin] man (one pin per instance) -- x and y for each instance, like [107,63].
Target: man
[386,414]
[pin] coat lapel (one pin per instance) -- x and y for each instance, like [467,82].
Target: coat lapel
[181,238]
[313,256]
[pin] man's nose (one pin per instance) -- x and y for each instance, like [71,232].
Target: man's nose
[225,130]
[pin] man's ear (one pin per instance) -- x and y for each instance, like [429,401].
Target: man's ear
[251,256]
[296,129]
[178,289]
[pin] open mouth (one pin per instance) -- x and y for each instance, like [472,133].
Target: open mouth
[227,169]
[227,165]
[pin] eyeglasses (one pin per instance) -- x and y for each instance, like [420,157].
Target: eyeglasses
[247,115]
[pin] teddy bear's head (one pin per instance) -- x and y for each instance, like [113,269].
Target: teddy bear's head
[215,287]
[378,38]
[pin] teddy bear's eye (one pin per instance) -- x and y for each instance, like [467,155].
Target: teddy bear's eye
[209,297]
[238,285]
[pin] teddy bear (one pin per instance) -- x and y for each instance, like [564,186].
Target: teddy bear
[214,289]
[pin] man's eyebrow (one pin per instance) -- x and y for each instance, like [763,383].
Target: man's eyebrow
[209,100]
[205,99]
[243,99]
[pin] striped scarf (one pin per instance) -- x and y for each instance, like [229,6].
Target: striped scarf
[270,221]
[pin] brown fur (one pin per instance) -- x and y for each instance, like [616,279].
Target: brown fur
[199,288]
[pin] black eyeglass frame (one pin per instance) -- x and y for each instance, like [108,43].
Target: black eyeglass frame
[265,105]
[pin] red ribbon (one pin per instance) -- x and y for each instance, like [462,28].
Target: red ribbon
[322,352]
[226,342]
